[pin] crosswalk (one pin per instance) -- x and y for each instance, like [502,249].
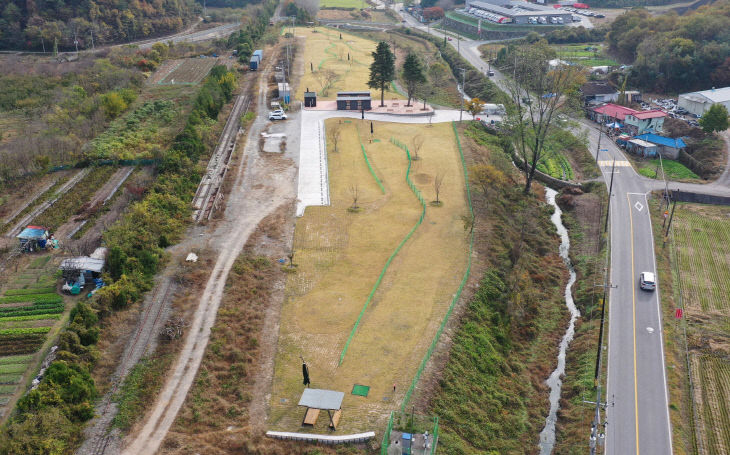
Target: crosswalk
[607,163]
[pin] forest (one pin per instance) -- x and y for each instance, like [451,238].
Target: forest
[44,25]
[672,53]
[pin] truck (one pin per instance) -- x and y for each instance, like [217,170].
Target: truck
[255,61]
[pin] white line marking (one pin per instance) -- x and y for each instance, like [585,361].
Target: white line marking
[638,206]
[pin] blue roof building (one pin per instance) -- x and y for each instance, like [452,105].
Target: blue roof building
[668,147]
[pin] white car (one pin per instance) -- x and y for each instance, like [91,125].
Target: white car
[277,115]
[647,281]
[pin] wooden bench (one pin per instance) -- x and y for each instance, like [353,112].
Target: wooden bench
[310,417]
[336,419]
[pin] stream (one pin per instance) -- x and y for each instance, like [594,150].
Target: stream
[547,435]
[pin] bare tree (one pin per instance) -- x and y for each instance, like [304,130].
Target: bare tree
[325,78]
[416,145]
[355,193]
[291,258]
[539,92]
[437,181]
[335,134]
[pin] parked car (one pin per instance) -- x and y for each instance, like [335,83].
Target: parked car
[647,281]
[599,16]
[277,115]
[490,73]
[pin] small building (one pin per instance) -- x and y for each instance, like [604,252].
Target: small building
[310,99]
[596,92]
[667,146]
[610,113]
[33,238]
[699,102]
[640,122]
[80,270]
[633,96]
[353,101]
[641,148]
[284,92]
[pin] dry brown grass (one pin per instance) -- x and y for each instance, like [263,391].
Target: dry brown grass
[340,255]
[324,46]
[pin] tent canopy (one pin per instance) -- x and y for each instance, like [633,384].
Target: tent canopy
[322,399]
[32,233]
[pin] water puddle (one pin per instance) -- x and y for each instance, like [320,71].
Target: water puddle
[547,435]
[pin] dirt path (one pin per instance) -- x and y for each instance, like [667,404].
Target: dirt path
[100,198]
[263,183]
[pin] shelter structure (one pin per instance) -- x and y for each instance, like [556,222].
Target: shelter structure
[640,147]
[33,238]
[80,269]
[667,146]
[310,99]
[316,400]
[595,92]
[354,101]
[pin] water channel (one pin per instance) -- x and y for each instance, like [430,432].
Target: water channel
[547,435]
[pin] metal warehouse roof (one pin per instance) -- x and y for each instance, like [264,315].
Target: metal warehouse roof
[517,9]
[650,114]
[661,140]
[641,143]
[614,110]
[718,95]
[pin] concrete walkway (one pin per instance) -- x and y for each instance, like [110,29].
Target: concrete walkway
[313,185]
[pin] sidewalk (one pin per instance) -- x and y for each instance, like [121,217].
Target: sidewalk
[392,106]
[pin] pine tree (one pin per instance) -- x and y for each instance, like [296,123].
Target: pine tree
[412,75]
[382,70]
[715,119]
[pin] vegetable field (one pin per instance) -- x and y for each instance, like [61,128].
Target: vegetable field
[30,308]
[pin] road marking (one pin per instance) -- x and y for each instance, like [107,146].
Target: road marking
[633,315]
[638,206]
[607,163]
[650,329]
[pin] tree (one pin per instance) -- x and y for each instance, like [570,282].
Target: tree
[412,75]
[433,13]
[474,106]
[416,145]
[437,181]
[715,119]
[335,134]
[325,78]
[355,193]
[538,92]
[382,70]
[486,177]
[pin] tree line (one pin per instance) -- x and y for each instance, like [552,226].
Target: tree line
[672,53]
[48,25]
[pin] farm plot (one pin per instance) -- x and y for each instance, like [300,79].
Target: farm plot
[325,52]
[702,235]
[189,71]
[712,376]
[372,281]
[585,55]
[30,311]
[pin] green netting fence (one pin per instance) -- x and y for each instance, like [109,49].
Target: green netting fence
[440,330]
[386,436]
[372,171]
[397,249]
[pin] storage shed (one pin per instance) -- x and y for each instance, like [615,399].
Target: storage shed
[310,99]
[353,101]
[667,146]
[643,148]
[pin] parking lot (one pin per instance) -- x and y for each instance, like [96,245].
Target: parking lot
[669,105]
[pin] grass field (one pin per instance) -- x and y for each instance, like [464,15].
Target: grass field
[339,256]
[674,170]
[324,50]
[584,54]
[701,237]
[357,4]
[189,71]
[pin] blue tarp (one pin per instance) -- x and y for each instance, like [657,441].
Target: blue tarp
[661,140]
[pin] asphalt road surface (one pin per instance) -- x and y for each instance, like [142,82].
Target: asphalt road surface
[636,350]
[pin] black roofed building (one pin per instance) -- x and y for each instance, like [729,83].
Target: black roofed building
[353,101]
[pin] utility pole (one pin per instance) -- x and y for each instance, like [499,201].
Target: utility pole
[92,39]
[76,42]
[204,11]
[610,189]
[671,217]
[458,43]
[463,91]
[598,148]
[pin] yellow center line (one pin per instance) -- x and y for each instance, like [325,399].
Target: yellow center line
[633,315]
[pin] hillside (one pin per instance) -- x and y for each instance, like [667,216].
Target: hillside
[672,53]
[36,24]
